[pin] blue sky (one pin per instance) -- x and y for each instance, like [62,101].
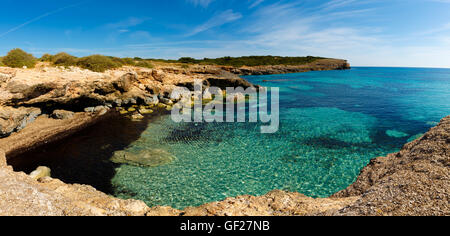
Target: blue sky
[366,32]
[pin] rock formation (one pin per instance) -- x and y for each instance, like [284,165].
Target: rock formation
[319,65]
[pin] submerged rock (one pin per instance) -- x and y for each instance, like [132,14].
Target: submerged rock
[146,158]
[396,134]
[137,117]
[145,111]
[40,172]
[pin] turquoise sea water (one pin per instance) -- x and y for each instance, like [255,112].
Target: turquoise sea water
[332,124]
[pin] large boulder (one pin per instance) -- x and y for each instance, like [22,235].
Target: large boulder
[15,119]
[125,82]
[4,78]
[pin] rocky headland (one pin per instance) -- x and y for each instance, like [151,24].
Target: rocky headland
[41,105]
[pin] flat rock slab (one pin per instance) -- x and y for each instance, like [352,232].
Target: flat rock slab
[149,158]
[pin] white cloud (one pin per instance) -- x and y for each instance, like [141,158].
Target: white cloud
[255,3]
[216,21]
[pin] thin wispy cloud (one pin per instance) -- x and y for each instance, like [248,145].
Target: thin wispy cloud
[127,23]
[217,20]
[203,3]
[255,3]
[39,18]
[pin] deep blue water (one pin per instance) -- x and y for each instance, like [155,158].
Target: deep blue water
[332,124]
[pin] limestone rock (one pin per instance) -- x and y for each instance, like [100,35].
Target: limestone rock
[125,82]
[3,162]
[62,114]
[4,78]
[137,117]
[166,101]
[15,119]
[151,100]
[40,172]
[101,110]
[89,109]
[145,111]
[22,196]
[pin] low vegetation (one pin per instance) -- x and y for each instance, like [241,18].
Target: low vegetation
[251,61]
[144,63]
[17,58]
[63,59]
[99,63]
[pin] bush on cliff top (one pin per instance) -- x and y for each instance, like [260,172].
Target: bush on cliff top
[46,58]
[1,62]
[123,61]
[17,58]
[64,59]
[144,64]
[97,63]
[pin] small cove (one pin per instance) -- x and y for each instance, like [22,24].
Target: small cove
[332,124]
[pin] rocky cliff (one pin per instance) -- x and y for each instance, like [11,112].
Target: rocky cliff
[319,65]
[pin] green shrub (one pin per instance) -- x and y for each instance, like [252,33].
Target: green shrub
[188,60]
[64,59]
[1,62]
[129,61]
[124,61]
[17,58]
[97,63]
[145,64]
[46,58]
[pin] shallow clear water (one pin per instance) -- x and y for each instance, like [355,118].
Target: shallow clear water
[332,124]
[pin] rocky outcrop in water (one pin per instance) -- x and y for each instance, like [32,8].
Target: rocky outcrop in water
[319,65]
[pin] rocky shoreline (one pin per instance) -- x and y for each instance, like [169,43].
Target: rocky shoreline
[47,104]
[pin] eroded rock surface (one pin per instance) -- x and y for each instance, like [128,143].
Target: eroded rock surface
[20,195]
[15,119]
